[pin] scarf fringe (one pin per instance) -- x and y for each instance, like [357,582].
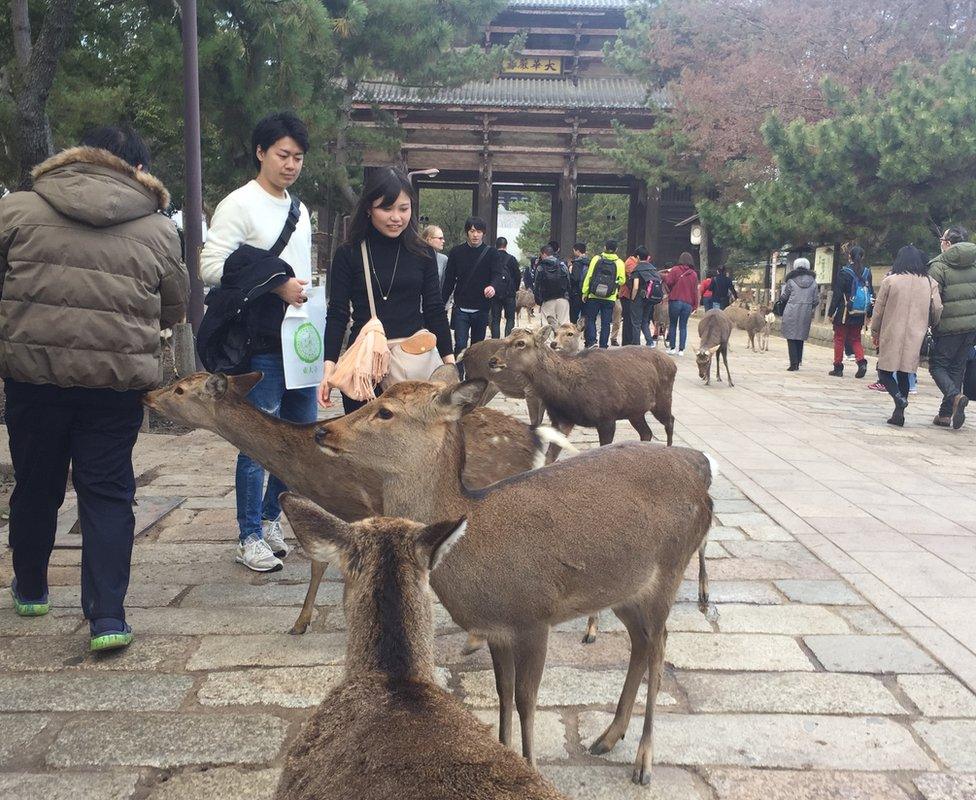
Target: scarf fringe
[364,364]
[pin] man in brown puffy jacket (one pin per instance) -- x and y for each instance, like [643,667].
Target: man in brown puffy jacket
[89,273]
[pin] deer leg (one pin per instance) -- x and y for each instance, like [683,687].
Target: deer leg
[536,409]
[591,628]
[645,750]
[565,428]
[704,604]
[642,428]
[666,418]
[530,660]
[718,369]
[634,618]
[725,357]
[503,662]
[305,615]
[606,431]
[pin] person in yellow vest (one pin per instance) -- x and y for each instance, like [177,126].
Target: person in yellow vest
[604,278]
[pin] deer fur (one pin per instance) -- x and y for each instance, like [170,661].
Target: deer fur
[738,313]
[595,388]
[714,330]
[388,731]
[758,324]
[525,301]
[497,446]
[540,548]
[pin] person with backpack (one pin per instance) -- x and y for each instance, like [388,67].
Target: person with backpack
[244,247]
[800,298]
[850,305]
[722,287]
[681,283]
[626,300]
[705,291]
[647,291]
[552,285]
[604,277]
[577,273]
[504,302]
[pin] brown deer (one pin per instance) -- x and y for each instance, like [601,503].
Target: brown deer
[757,324]
[595,388]
[539,548]
[566,339]
[388,731]
[525,301]
[496,446]
[714,330]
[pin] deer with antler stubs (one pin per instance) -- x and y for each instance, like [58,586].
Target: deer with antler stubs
[388,730]
[526,563]
[497,446]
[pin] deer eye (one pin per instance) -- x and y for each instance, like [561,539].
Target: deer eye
[178,390]
[520,344]
[384,413]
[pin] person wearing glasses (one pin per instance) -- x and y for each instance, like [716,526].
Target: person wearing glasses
[434,236]
[954,270]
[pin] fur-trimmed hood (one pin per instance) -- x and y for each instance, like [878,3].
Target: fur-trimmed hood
[802,272]
[96,187]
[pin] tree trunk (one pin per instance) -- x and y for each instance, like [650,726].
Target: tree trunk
[37,64]
[345,120]
[703,252]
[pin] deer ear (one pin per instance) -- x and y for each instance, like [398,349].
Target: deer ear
[241,385]
[543,334]
[463,397]
[581,324]
[553,322]
[435,541]
[446,374]
[216,385]
[322,536]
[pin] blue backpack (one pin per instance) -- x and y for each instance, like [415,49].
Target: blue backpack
[860,301]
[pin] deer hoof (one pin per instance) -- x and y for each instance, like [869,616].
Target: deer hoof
[642,777]
[605,743]
[711,613]
[298,629]
[589,638]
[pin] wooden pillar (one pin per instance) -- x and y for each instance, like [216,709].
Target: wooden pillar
[568,205]
[652,220]
[484,196]
[555,214]
[635,219]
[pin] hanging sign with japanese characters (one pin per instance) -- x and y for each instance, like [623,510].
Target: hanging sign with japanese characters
[533,65]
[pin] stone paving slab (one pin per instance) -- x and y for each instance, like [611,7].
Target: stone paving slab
[952,740]
[168,740]
[754,784]
[830,593]
[16,731]
[791,693]
[268,650]
[222,595]
[938,786]
[610,783]
[222,783]
[788,619]
[289,687]
[550,734]
[57,653]
[736,651]
[722,592]
[198,621]
[770,740]
[67,786]
[857,653]
[80,692]
[938,695]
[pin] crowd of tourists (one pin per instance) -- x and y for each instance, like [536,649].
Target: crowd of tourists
[91,272]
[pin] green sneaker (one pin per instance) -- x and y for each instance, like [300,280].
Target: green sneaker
[109,635]
[29,608]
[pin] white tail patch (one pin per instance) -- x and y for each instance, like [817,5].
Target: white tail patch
[548,436]
[712,466]
[448,543]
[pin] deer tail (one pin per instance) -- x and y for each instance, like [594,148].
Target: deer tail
[545,436]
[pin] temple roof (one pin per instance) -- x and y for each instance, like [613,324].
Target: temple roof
[570,5]
[595,93]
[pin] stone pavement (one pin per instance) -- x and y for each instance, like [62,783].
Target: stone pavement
[843,560]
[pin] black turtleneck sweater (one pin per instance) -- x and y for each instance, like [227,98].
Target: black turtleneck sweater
[414,300]
[469,271]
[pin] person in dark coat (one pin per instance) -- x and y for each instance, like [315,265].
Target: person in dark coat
[847,320]
[802,296]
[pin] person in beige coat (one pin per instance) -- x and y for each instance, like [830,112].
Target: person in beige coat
[907,304]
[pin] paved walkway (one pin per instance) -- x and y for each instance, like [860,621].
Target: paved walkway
[843,560]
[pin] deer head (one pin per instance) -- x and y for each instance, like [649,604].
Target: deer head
[192,400]
[566,337]
[704,360]
[408,422]
[520,352]
[385,562]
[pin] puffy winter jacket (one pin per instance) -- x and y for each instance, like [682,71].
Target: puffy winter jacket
[955,272]
[89,273]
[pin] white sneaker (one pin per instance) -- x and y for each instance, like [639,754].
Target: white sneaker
[681,352]
[271,531]
[671,351]
[255,554]
[652,343]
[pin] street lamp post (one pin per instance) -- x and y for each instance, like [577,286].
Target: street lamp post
[193,199]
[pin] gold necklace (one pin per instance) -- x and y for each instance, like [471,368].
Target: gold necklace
[396,262]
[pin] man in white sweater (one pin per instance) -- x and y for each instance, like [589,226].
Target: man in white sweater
[255,215]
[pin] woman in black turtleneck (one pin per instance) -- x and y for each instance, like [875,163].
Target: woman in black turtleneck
[406,288]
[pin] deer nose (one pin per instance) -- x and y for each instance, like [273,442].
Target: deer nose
[493,362]
[321,434]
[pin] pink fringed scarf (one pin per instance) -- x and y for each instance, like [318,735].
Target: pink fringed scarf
[365,362]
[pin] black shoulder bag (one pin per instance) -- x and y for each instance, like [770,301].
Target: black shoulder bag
[225,338]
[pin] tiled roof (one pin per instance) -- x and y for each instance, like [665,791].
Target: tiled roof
[570,5]
[598,93]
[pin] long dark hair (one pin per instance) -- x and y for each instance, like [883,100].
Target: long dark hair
[910,260]
[856,256]
[387,183]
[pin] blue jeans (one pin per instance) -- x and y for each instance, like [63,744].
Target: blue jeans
[294,405]
[595,307]
[474,323]
[679,311]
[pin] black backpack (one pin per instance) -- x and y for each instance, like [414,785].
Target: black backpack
[653,290]
[603,282]
[551,280]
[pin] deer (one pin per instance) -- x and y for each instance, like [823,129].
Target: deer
[714,330]
[566,339]
[525,301]
[388,730]
[524,564]
[758,323]
[497,446]
[595,388]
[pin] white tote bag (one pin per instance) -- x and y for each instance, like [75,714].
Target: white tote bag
[303,342]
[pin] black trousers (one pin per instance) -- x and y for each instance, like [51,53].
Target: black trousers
[499,306]
[93,430]
[896,383]
[575,305]
[795,347]
[626,329]
[947,364]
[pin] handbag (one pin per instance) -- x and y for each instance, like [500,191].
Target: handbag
[373,359]
[779,307]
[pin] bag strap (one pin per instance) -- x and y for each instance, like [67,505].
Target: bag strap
[369,280]
[477,262]
[291,222]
